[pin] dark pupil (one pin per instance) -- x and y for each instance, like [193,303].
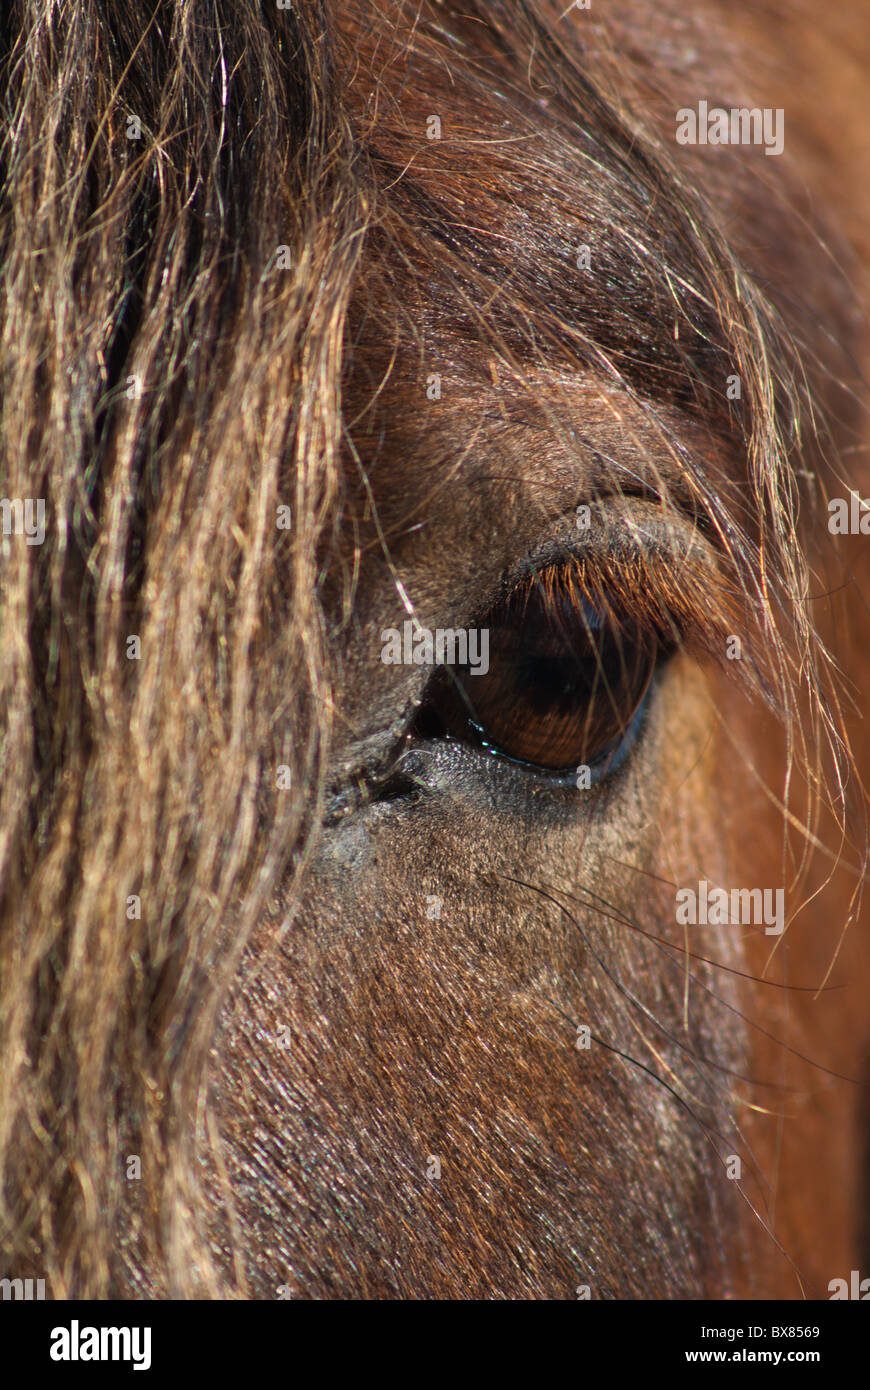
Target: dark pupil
[564,680]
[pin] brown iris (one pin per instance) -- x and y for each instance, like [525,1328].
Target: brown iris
[567,673]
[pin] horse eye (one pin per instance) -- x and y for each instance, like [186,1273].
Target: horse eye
[566,677]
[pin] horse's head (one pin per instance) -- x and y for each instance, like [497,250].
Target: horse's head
[431,817]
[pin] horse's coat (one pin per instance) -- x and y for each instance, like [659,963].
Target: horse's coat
[440,279]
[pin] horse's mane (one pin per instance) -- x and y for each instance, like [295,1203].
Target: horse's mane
[181,313]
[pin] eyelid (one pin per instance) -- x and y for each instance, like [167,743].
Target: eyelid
[666,567]
[683,599]
[658,566]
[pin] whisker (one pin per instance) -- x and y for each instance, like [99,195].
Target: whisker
[827,1071]
[627,994]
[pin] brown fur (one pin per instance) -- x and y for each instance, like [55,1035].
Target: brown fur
[301,914]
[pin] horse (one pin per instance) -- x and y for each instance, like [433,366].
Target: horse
[434,643]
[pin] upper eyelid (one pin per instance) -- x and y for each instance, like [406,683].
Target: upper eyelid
[661,563]
[640,551]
